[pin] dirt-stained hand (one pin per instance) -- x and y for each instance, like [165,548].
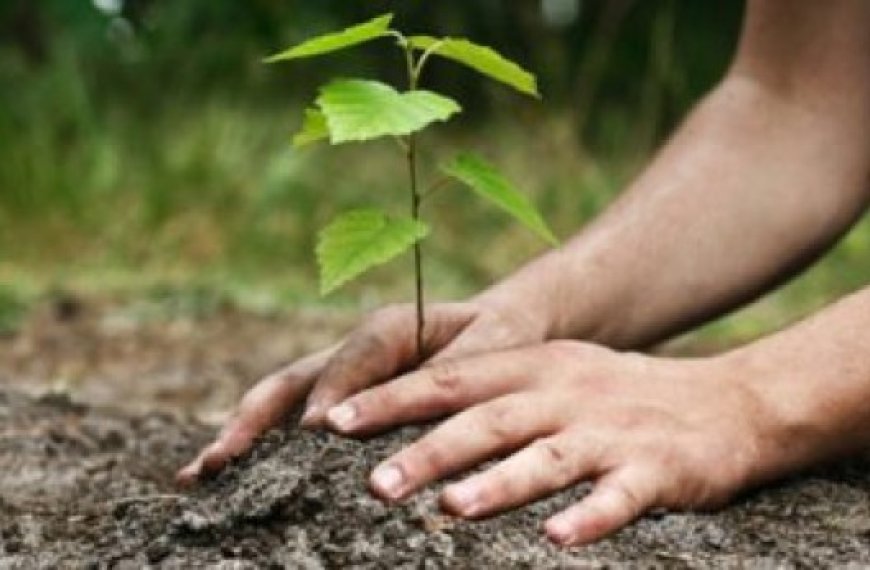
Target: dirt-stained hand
[652,432]
[381,348]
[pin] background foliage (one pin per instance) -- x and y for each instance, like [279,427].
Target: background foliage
[144,143]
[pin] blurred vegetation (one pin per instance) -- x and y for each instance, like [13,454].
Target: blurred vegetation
[146,147]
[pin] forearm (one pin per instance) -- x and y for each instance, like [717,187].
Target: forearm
[814,382]
[764,176]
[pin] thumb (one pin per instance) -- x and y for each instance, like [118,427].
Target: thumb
[383,346]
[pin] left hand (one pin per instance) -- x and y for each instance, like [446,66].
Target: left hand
[652,432]
[381,347]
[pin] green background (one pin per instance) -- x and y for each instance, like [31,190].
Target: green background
[145,148]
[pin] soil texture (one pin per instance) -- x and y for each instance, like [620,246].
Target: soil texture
[90,486]
[83,488]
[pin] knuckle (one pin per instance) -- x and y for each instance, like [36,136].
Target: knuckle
[446,377]
[556,458]
[432,456]
[552,451]
[377,402]
[629,499]
[497,421]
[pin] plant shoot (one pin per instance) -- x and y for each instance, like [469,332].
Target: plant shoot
[354,110]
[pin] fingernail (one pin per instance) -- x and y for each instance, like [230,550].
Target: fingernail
[185,476]
[465,498]
[188,474]
[342,416]
[311,412]
[559,530]
[388,480]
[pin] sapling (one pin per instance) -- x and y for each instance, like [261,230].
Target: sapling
[351,110]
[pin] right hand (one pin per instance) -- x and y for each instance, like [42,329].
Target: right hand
[383,347]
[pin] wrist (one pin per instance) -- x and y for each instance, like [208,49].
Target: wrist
[514,306]
[567,296]
[794,425]
[533,296]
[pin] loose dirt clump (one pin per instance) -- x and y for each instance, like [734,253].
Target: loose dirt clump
[84,488]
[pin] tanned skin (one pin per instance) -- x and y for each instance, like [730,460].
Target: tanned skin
[769,170]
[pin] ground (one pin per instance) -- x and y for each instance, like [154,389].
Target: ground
[90,485]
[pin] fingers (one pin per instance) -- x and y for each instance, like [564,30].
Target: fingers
[544,467]
[617,500]
[433,391]
[473,436]
[384,346]
[263,407]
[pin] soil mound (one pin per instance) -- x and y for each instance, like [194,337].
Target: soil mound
[84,488]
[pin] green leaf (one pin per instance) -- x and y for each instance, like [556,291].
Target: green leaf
[359,240]
[487,182]
[327,43]
[314,129]
[482,59]
[358,110]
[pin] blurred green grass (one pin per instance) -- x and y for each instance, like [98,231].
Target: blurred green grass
[217,199]
[194,189]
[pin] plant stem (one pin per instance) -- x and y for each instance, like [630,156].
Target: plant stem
[418,250]
[411,154]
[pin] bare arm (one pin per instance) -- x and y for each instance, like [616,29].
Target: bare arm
[769,170]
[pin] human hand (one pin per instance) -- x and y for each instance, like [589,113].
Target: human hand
[652,432]
[382,347]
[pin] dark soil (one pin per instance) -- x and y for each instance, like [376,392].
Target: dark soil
[91,489]
[86,487]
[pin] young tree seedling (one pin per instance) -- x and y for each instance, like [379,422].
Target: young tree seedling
[351,110]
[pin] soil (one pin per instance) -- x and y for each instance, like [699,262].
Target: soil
[85,486]
[180,351]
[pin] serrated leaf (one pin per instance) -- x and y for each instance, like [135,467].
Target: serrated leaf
[359,240]
[314,129]
[491,185]
[355,35]
[482,59]
[358,110]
